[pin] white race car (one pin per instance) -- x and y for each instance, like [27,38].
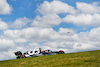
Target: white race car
[37,52]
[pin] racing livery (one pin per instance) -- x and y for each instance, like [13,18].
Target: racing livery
[37,52]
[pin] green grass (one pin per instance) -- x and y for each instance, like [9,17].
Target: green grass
[81,59]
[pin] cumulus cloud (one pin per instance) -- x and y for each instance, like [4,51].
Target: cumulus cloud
[83,19]
[5,8]
[66,31]
[88,8]
[82,41]
[61,39]
[50,11]
[15,35]
[21,23]
[5,44]
[85,14]
[30,34]
[6,55]
[47,38]
[87,40]
[55,7]
[48,20]
[3,25]
[88,15]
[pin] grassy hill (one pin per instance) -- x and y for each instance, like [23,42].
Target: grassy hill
[81,59]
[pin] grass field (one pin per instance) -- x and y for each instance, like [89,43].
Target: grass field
[81,59]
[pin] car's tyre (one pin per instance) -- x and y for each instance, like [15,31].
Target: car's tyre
[22,56]
[17,57]
[61,52]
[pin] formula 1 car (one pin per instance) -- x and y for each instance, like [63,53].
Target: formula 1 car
[37,52]
[49,52]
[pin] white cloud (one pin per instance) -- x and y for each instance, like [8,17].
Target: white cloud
[83,19]
[36,34]
[85,14]
[29,34]
[66,31]
[82,41]
[48,20]
[21,23]
[49,13]
[88,15]
[15,35]
[55,7]
[5,8]
[5,44]
[47,38]
[88,8]
[3,25]
[7,55]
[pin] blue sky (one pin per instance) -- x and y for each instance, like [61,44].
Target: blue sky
[28,8]
[29,24]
